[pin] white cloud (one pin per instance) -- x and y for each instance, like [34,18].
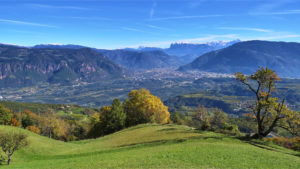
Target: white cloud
[136,30]
[26,23]
[57,7]
[187,17]
[152,10]
[288,12]
[245,29]
[275,37]
[195,3]
[159,28]
[192,40]
[269,5]
[90,18]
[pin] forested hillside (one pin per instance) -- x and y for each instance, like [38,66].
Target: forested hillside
[24,67]
[246,57]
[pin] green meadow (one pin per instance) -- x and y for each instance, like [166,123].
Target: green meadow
[151,146]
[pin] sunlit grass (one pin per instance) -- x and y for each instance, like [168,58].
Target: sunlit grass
[152,146]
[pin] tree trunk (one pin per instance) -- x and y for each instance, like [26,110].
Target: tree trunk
[8,159]
[258,136]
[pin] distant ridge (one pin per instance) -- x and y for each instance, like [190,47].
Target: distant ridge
[246,57]
[187,52]
[57,46]
[177,54]
[142,60]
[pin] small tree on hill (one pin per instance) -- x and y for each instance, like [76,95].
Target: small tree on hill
[11,142]
[5,116]
[177,118]
[219,119]
[201,114]
[267,110]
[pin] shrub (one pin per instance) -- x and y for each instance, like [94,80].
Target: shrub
[231,129]
[33,129]
[14,122]
[291,143]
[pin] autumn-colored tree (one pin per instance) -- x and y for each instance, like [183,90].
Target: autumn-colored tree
[267,109]
[11,142]
[62,130]
[5,116]
[47,125]
[291,123]
[15,122]
[56,128]
[29,119]
[143,107]
[33,129]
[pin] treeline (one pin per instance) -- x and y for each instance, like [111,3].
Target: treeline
[140,107]
[42,108]
[50,125]
[211,119]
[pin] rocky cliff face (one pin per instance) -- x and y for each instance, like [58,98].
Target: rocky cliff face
[21,66]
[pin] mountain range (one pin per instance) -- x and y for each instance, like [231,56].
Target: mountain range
[142,60]
[246,57]
[28,66]
[187,52]
[177,54]
[22,66]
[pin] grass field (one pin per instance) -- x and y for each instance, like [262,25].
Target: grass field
[152,146]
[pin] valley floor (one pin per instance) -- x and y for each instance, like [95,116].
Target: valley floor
[152,146]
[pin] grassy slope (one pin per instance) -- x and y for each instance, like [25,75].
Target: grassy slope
[152,146]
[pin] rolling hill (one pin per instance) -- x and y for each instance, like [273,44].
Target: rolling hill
[246,57]
[151,146]
[24,66]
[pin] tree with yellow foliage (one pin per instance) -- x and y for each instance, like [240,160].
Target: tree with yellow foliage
[291,123]
[267,110]
[143,107]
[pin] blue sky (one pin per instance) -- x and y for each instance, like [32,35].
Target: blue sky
[132,23]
